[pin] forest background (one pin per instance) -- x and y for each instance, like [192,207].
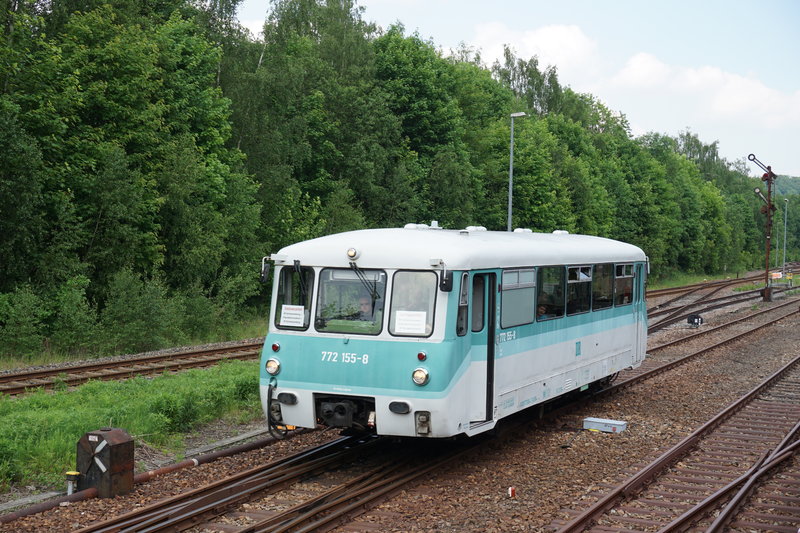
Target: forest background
[153,151]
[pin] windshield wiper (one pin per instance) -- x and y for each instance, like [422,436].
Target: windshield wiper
[302,281]
[371,288]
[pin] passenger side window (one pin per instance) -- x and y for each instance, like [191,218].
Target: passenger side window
[550,295]
[579,289]
[519,290]
[603,286]
[623,285]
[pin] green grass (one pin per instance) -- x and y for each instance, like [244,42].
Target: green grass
[247,329]
[39,431]
[748,287]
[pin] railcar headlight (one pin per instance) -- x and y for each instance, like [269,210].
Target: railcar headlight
[420,376]
[352,254]
[272,367]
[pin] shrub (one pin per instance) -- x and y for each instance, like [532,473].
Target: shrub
[232,293]
[245,387]
[21,316]
[139,315]
[9,471]
[179,411]
[75,320]
[199,314]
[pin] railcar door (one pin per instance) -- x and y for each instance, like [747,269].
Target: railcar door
[482,333]
[641,313]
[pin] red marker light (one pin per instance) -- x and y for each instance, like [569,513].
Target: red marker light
[422,356]
[276,347]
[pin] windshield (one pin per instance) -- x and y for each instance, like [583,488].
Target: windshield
[351,301]
[413,298]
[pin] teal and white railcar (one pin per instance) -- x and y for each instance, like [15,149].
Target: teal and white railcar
[426,332]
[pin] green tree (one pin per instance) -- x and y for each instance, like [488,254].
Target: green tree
[75,320]
[140,315]
[22,220]
[22,316]
[538,89]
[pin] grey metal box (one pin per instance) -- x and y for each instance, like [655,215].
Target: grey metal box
[605,425]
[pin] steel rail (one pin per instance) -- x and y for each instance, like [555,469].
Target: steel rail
[686,358]
[20,382]
[737,502]
[743,485]
[671,312]
[336,508]
[669,321]
[648,473]
[363,496]
[707,331]
[273,474]
[686,289]
[663,307]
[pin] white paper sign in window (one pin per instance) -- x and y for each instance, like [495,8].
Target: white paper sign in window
[292,316]
[411,322]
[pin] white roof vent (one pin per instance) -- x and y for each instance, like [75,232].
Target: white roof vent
[560,232]
[411,225]
[475,228]
[523,230]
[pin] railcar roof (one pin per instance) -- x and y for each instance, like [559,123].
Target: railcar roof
[415,248]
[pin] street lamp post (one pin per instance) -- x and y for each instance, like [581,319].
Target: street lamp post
[785,218]
[519,114]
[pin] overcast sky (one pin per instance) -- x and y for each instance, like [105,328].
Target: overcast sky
[728,71]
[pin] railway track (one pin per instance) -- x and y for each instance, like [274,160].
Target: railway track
[687,290]
[20,382]
[258,500]
[659,359]
[703,482]
[321,499]
[701,305]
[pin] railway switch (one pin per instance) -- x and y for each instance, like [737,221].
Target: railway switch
[105,461]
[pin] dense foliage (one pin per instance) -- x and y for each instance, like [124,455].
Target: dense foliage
[151,153]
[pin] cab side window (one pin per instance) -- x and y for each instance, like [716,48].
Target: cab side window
[295,287]
[413,302]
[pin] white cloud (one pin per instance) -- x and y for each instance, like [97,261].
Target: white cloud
[741,111]
[565,46]
[706,92]
[643,70]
